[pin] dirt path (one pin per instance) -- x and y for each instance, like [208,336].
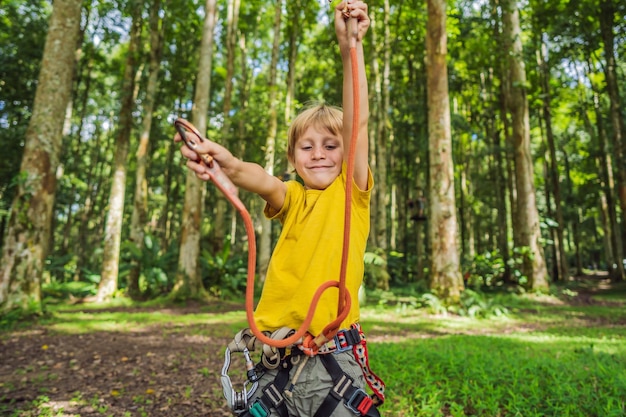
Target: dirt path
[147,373]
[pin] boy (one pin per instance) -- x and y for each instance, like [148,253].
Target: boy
[308,252]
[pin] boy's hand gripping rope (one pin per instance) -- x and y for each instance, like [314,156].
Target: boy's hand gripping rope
[309,344]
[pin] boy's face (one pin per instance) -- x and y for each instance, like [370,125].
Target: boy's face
[318,155]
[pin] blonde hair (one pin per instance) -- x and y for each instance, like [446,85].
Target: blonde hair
[319,115]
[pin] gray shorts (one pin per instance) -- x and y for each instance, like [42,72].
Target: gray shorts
[314,384]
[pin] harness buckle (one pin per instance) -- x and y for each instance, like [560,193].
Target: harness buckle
[345,339]
[274,395]
[341,387]
[359,403]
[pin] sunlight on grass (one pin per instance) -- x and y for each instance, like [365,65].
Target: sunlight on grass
[79,322]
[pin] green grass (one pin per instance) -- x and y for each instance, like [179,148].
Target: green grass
[514,375]
[546,357]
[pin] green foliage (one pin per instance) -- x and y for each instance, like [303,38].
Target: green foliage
[56,291]
[158,265]
[485,270]
[224,273]
[375,274]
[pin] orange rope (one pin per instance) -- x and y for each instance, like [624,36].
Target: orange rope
[225,185]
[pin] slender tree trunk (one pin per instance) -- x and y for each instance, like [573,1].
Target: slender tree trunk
[615,252]
[294,29]
[575,222]
[445,278]
[383,136]
[26,243]
[270,142]
[139,217]
[113,228]
[534,266]
[375,121]
[553,169]
[231,44]
[607,23]
[188,279]
[497,173]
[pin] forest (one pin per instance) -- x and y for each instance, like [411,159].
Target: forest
[494,279]
[517,180]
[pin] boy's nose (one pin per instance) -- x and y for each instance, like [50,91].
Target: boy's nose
[318,153]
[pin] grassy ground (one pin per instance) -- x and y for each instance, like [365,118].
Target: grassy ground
[559,355]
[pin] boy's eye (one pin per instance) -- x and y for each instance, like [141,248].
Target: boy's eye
[331,147]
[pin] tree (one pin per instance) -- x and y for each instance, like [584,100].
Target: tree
[140,200]
[607,19]
[188,279]
[270,141]
[27,241]
[445,273]
[113,230]
[561,268]
[534,266]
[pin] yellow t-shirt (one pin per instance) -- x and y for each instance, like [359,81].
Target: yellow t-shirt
[308,253]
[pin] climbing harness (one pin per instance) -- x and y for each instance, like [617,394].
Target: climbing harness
[286,348]
[284,360]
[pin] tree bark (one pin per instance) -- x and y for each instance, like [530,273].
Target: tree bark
[561,269]
[382,138]
[113,229]
[534,266]
[445,279]
[188,279]
[26,243]
[231,45]
[270,142]
[614,250]
[139,217]
[607,23]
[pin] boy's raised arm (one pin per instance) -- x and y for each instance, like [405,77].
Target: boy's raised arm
[357,10]
[247,175]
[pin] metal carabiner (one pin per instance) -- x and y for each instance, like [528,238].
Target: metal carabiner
[183,127]
[237,401]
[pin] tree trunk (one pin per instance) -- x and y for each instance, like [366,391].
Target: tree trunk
[26,243]
[534,266]
[615,251]
[553,169]
[188,279]
[445,278]
[139,217]
[375,121]
[294,29]
[270,142]
[382,138]
[607,23]
[231,44]
[113,228]
[497,172]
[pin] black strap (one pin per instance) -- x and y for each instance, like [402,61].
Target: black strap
[272,396]
[355,398]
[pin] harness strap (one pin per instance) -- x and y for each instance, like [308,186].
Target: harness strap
[272,396]
[355,399]
[354,339]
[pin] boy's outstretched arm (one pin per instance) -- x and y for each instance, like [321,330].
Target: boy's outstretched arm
[247,175]
[357,10]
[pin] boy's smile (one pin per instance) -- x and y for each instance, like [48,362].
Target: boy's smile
[318,156]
